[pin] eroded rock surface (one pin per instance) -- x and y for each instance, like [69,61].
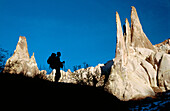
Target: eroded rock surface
[144,70]
[139,39]
[20,62]
[90,76]
[164,73]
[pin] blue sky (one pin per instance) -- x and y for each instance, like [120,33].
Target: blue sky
[82,30]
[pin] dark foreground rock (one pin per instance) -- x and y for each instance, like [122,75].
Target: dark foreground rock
[25,93]
[20,92]
[161,102]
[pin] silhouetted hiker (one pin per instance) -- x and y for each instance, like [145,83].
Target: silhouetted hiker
[56,64]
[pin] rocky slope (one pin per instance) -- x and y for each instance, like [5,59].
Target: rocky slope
[138,70]
[20,92]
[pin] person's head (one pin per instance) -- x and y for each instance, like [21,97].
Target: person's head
[58,54]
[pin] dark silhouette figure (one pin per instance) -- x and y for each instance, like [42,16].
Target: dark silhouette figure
[56,64]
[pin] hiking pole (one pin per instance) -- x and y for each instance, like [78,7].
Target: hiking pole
[63,66]
[63,69]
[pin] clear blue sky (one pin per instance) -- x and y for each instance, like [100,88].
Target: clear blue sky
[82,30]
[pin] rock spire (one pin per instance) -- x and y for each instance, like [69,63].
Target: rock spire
[20,62]
[139,39]
[138,70]
[127,35]
[120,46]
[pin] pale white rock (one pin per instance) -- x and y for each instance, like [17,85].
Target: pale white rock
[139,39]
[152,74]
[121,52]
[84,76]
[163,46]
[67,77]
[32,67]
[164,73]
[21,51]
[20,63]
[132,82]
[131,76]
[144,52]
[51,76]
[158,56]
[127,36]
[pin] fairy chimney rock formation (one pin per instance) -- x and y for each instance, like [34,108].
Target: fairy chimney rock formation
[120,46]
[127,35]
[139,39]
[21,50]
[20,62]
[139,68]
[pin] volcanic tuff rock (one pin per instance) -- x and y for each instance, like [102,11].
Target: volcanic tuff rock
[89,76]
[139,39]
[20,62]
[121,52]
[164,73]
[138,70]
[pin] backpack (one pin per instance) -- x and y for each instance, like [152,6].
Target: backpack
[49,60]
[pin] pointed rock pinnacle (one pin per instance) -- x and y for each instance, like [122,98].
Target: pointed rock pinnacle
[127,35]
[20,63]
[21,50]
[139,39]
[33,58]
[120,46]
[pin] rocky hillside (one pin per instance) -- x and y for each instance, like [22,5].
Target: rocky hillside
[138,70]
[20,92]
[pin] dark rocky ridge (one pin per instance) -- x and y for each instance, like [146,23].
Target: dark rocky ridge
[20,92]
[24,93]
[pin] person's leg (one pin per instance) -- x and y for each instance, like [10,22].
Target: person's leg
[57,75]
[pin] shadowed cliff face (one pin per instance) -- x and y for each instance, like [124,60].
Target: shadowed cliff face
[138,70]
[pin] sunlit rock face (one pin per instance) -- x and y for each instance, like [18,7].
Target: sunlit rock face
[20,62]
[90,76]
[139,39]
[164,73]
[140,69]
